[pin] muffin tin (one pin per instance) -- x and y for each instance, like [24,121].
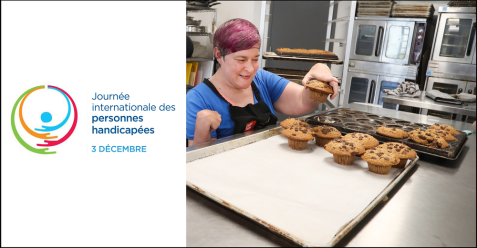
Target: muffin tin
[348,121]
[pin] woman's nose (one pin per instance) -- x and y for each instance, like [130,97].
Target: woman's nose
[249,66]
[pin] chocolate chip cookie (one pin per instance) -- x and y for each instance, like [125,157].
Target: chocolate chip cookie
[366,140]
[444,134]
[392,132]
[428,138]
[444,127]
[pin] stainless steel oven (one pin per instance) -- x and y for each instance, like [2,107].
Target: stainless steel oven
[449,86]
[455,39]
[388,40]
[453,49]
[368,87]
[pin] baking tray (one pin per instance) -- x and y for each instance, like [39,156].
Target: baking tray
[348,121]
[333,198]
[312,56]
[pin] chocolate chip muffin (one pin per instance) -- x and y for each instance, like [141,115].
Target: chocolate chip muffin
[319,91]
[324,134]
[428,138]
[392,132]
[344,151]
[444,127]
[379,160]
[366,140]
[403,152]
[287,123]
[298,136]
[444,134]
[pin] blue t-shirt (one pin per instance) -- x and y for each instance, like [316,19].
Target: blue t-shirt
[202,97]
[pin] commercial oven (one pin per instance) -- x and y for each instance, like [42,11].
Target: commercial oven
[455,39]
[388,40]
[449,86]
[368,87]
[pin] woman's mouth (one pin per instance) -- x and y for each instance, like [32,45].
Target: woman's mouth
[245,77]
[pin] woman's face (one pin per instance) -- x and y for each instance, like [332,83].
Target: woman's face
[239,68]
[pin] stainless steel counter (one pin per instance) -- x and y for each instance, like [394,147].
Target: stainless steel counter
[435,205]
[427,103]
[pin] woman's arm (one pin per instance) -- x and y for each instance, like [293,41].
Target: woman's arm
[206,122]
[295,99]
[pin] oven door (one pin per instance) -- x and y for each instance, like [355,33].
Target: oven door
[386,82]
[455,40]
[397,42]
[360,87]
[449,86]
[367,41]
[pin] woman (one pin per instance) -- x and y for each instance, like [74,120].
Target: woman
[239,97]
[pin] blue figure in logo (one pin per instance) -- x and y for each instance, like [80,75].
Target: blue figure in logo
[46,117]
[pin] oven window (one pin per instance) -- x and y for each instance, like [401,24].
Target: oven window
[397,42]
[386,85]
[365,40]
[446,88]
[358,90]
[455,37]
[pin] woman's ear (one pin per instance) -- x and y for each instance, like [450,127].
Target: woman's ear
[217,55]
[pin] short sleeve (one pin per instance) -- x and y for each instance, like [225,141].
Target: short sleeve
[195,102]
[274,83]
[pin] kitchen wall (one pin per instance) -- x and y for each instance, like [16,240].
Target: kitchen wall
[249,10]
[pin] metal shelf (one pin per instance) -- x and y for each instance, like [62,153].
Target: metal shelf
[290,58]
[198,59]
[336,40]
[197,34]
[342,19]
[192,8]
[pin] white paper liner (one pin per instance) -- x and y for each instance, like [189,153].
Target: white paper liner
[304,193]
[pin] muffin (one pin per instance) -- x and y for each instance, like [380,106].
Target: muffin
[428,138]
[298,137]
[319,91]
[444,134]
[344,151]
[366,140]
[287,123]
[379,160]
[392,132]
[325,134]
[401,151]
[444,127]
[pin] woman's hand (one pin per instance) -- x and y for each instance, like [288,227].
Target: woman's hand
[206,122]
[321,72]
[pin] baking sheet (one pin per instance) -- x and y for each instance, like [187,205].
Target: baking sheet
[302,193]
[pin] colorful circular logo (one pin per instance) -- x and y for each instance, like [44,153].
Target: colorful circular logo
[46,117]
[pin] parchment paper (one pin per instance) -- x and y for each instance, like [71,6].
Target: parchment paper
[304,193]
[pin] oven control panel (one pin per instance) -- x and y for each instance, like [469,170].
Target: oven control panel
[418,43]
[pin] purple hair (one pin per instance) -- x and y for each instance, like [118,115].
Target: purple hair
[236,35]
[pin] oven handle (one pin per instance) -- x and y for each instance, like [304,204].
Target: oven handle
[471,40]
[377,52]
[371,92]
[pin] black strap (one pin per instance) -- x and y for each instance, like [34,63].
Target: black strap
[212,87]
